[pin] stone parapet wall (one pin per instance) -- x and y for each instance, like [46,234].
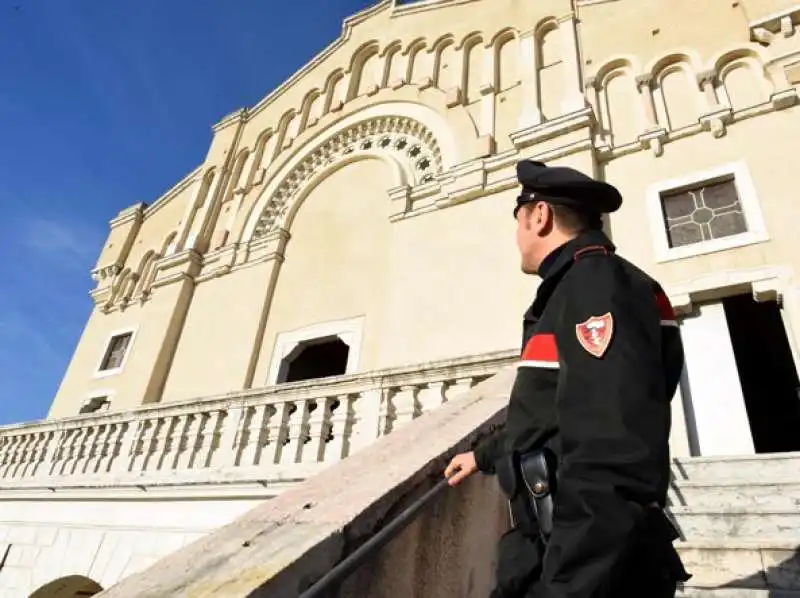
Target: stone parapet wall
[279,433]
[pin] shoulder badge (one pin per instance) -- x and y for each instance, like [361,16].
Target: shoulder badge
[595,334]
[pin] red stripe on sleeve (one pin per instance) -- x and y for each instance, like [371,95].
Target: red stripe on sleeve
[541,347]
[664,306]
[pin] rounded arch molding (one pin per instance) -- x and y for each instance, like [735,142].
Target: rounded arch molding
[412,138]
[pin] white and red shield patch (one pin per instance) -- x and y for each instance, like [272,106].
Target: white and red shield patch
[595,334]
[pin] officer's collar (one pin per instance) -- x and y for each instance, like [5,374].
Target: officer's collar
[565,254]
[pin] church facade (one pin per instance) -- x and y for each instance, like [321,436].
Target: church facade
[344,260]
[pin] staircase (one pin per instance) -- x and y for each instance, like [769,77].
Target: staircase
[739,518]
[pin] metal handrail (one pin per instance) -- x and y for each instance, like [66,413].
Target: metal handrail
[358,557]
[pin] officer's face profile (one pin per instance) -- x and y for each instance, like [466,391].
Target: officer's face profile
[534,221]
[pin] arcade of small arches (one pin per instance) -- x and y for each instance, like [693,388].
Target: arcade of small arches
[730,84]
[679,91]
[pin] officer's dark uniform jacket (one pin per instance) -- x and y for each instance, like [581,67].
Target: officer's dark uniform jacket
[601,359]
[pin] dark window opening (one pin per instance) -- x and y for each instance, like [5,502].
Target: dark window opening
[767,373]
[115,353]
[317,358]
[94,405]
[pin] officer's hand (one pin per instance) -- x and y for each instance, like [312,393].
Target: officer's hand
[461,467]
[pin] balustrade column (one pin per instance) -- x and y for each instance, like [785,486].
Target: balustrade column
[76,450]
[143,448]
[106,448]
[318,430]
[458,388]
[370,415]
[129,437]
[89,446]
[5,451]
[405,405]
[293,432]
[252,436]
[45,466]
[230,420]
[23,454]
[340,427]
[210,431]
[39,452]
[529,72]
[432,396]
[574,99]
[190,443]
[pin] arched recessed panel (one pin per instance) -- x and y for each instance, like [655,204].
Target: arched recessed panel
[621,107]
[743,84]
[369,73]
[551,78]
[679,93]
[474,58]
[448,69]
[507,62]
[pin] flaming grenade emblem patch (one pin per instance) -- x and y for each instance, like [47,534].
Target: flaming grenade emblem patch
[595,334]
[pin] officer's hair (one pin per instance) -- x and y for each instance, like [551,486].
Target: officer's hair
[574,222]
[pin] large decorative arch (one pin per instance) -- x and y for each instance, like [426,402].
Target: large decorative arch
[414,139]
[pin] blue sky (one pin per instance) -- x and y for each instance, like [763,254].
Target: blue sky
[105,103]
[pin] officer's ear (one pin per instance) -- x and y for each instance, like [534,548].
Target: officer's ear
[541,217]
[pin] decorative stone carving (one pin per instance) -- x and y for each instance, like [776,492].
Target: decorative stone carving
[106,272]
[406,138]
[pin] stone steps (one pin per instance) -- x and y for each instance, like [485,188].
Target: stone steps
[740,520]
[747,469]
[730,523]
[759,564]
[776,495]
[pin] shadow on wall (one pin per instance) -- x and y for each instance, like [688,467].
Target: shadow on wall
[71,586]
[448,550]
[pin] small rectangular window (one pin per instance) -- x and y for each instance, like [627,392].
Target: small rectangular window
[704,212]
[115,353]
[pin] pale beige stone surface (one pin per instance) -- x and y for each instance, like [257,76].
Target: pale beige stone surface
[299,535]
[382,176]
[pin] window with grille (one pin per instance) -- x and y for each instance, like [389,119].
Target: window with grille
[115,353]
[704,212]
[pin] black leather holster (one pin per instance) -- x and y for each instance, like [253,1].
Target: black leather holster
[528,480]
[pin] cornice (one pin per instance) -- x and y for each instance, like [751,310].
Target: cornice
[236,117]
[172,192]
[425,5]
[130,214]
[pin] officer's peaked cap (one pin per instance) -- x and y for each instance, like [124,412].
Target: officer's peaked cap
[565,186]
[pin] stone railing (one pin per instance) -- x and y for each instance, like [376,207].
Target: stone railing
[275,434]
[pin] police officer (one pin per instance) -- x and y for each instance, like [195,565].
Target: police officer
[584,456]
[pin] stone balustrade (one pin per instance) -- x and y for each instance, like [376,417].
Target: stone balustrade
[275,434]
